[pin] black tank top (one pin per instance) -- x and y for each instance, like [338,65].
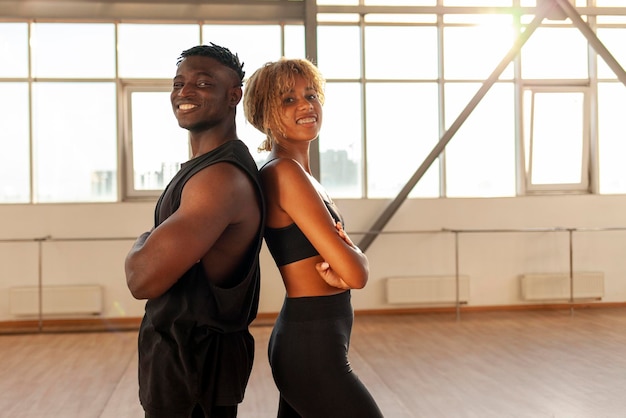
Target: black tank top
[194,343]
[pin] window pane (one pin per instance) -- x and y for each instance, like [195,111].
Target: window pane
[474,52]
[402,129]
[151,51]
[14,158]
[400,2]
[237,39]
[555,53]
[556,153]
[480,158]
[337,2]
[577,3]
[159,144]
[75,145]
[612,19]
[14,50]
[73,50]
[338,17]
[473,3]
[339,51]
[250,136]
[418,52]
[399,18]
[613,40]
[341,140]
[294,41]
[612,137]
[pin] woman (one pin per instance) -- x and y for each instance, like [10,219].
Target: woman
[319,264]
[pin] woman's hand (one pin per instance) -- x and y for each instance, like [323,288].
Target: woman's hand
[329,276]
[324,269]
[344,235]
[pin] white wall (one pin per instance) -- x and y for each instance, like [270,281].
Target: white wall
[87,243]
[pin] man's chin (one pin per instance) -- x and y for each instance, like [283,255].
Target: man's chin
[190,126]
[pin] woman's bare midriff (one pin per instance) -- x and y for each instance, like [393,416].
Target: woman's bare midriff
[301,279]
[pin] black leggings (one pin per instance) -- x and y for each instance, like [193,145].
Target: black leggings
[198,412]
[308,352]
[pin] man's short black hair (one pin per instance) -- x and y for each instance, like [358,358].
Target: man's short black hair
[219,53]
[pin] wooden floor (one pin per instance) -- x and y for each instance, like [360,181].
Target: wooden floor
[531,364]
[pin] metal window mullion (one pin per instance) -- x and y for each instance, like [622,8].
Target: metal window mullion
[125,153]
[531,137]
[443,178]
[362,84]
[121,162]
[31,125]
[310,50]
[518,95]
[592,115]
[586,163]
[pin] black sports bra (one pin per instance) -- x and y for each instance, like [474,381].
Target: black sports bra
[289,244]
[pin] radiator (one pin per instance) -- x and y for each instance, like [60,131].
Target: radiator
[426,289]
[556,286]
[56,300]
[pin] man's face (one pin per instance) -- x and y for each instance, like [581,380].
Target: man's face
[204,93]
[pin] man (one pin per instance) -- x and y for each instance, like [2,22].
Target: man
[198,267]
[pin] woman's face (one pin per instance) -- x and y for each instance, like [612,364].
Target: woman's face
[300,113]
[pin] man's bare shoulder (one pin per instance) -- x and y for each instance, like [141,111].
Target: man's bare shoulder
[221,176]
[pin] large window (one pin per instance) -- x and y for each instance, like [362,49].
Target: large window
[74,144]
[91,112]
[531,132]
[89,118]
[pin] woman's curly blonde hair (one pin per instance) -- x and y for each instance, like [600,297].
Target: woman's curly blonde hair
[264,89]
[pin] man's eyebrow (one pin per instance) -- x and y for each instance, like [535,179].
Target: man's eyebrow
[198,74]
[205,74]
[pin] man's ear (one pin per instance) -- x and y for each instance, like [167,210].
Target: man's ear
[235,96]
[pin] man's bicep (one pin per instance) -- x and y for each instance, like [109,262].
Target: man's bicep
[221,192]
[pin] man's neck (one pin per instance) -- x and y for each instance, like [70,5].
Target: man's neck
[207,141]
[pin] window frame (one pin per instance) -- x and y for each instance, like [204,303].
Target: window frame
[583,186]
